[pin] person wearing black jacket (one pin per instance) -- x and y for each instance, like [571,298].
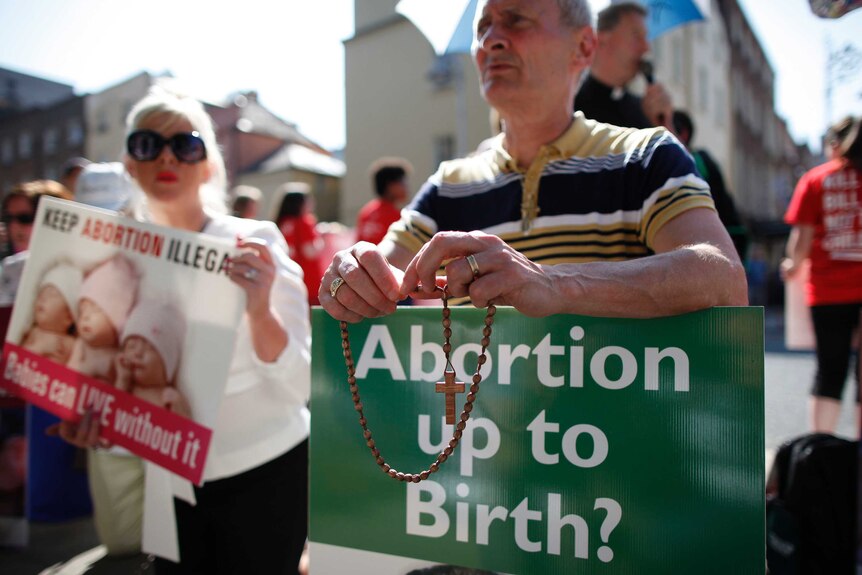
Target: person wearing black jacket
[711,172]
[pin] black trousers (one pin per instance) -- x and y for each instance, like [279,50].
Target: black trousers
[252,523]
[833,330]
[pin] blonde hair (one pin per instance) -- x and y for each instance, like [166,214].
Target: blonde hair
[161,100]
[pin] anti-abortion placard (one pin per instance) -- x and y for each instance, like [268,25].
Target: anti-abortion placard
[594,445]
[132,322]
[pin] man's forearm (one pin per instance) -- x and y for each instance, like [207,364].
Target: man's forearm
[683,280]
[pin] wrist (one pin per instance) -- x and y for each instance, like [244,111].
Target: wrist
[260,314]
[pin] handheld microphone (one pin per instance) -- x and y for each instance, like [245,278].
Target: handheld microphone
[646,69]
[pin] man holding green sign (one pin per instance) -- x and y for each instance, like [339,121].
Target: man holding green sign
[606,446]
[551,210]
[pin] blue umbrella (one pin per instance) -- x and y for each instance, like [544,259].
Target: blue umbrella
[447,24]
[665,15]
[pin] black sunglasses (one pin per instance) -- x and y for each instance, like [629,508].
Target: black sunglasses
[146,145]
[23,219]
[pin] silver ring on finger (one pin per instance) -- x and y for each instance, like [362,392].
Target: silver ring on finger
[251,274]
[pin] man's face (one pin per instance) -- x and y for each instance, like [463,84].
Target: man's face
[523,52]
[626,44]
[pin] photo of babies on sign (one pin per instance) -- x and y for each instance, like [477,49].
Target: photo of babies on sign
[132,322]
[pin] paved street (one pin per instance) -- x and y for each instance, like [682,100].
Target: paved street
[788,378]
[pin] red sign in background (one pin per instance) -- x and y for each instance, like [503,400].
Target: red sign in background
[152,432]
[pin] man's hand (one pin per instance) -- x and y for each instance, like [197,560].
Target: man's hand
[370,286]
[505,276]
[658,106]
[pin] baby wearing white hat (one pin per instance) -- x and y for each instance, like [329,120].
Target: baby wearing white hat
[52,333]
[151,346]
[107,295]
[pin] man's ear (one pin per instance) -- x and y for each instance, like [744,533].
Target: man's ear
[586,40]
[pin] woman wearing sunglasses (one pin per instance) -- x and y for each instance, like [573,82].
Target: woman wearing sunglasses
[250,514]
[18,212]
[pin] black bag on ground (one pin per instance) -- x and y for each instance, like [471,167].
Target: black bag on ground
[811,507]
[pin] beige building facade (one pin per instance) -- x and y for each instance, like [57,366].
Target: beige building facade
[401,100]
[105,115]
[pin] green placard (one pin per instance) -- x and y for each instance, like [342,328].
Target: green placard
[596,445]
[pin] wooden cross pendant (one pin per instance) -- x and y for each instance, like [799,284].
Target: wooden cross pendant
[450,387]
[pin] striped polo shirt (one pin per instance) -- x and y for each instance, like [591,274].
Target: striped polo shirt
[597,193]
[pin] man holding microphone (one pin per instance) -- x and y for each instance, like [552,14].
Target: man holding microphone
[619,58]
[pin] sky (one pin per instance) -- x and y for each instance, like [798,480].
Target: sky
[291,52]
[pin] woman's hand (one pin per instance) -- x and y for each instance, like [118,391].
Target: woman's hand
[254,271]
[366,284]
[83,434]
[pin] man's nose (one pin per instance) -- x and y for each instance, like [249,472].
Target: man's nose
[492,38]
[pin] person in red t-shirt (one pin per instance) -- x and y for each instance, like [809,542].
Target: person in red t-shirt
[389,177]
[826,215]
[297,222]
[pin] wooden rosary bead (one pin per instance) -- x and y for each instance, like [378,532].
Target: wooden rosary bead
[468,405]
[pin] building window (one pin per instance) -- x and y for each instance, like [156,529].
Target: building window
[25,145]
[444,148]
[719,106]
[677,60]
[124,111]
[102,124]
[442,72]
[8,152]
[50,138]
[74,132]
[703,88]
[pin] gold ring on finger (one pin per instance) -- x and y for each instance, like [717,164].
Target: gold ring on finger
[474,267]
[336,283]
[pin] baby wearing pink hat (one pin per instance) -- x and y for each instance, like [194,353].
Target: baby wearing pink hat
[149,357]
[107,296]
[52,332]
